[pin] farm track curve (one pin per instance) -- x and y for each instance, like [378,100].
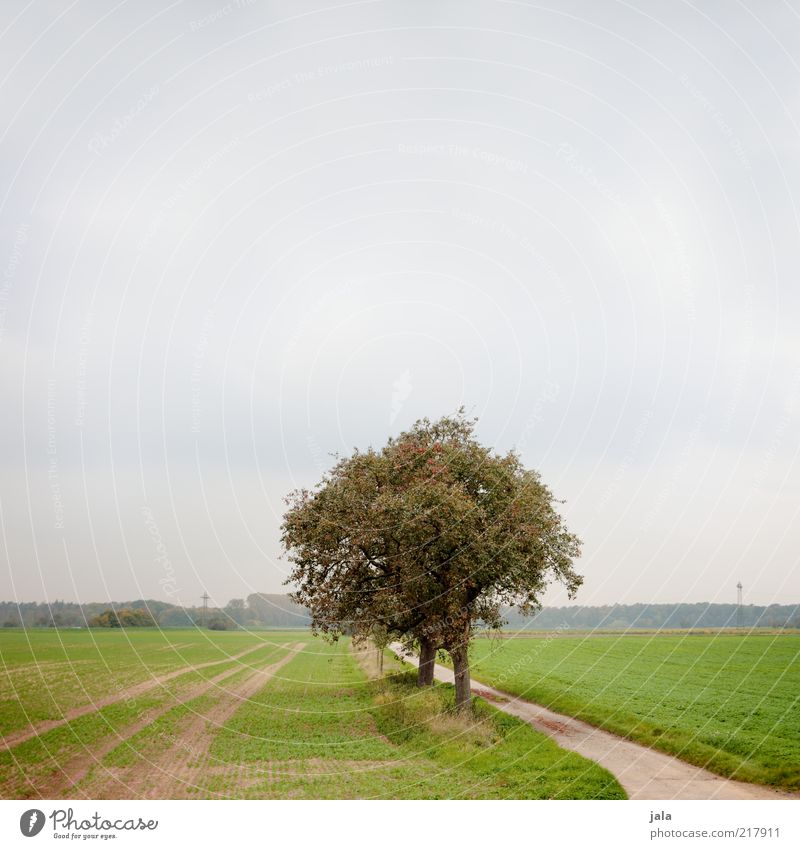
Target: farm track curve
[644,773]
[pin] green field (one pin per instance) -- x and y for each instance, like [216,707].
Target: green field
[200,714]
[730,704]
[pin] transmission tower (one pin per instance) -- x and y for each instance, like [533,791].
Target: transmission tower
[739,605]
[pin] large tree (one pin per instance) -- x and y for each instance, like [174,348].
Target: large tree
[425,539]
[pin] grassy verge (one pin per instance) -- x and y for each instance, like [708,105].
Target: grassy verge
[504,756]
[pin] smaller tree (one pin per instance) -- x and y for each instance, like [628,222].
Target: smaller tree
[235,609]
[106,619]
[177,617]
[380,639]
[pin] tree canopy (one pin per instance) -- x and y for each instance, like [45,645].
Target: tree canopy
[424,539]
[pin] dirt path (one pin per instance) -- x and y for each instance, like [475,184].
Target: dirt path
[185,759]
[644,773]
[17,737]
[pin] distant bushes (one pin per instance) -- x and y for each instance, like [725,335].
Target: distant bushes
[221,623]
[124,618]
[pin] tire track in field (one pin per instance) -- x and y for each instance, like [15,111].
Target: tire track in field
[16,737]
[182,766]
[643,772]
[64,781]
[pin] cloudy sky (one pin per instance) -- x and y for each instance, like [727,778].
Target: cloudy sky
[237,237]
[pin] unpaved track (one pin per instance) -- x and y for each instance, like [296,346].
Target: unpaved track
[17,737]
[183,764]
[643,772]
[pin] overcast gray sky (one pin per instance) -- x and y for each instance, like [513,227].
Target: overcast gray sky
[236,237]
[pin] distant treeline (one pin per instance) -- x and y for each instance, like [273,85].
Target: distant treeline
[619,616]
[264,610]
[259,610]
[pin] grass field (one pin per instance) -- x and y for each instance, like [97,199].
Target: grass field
[186,713]
[728,703]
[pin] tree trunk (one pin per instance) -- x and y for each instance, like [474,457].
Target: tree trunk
[427,658]
[461,668]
